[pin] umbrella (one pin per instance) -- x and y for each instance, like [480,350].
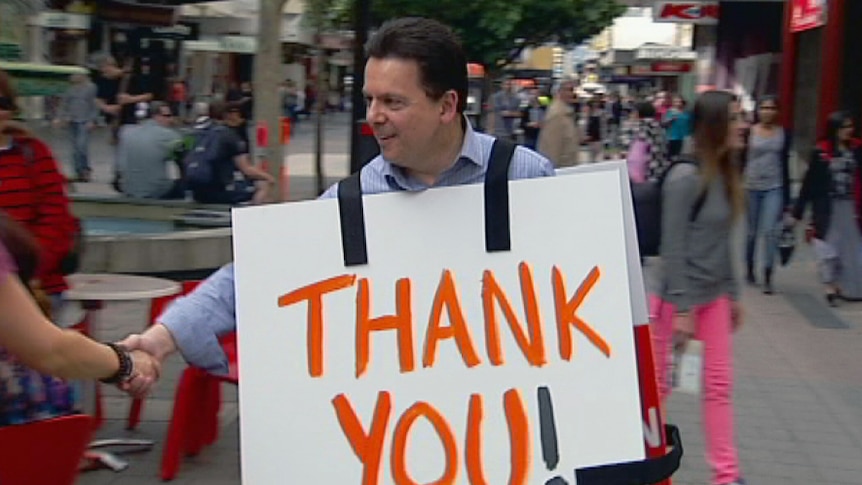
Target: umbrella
[786,244]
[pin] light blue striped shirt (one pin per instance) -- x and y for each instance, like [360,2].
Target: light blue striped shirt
[196,321]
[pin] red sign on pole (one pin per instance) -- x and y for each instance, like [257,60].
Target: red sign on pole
[807,14]
[704,13]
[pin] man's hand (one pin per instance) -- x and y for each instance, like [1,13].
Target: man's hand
[124,98]
[146,373]
[158,342]
[111,109]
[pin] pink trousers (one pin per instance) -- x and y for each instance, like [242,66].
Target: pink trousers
[714,329]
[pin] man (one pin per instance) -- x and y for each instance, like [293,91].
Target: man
[416,92]
[244,97]
[143,155]
[230,177]
[118,91]
[558,138]
[507,106]
[237,122]
[79,110]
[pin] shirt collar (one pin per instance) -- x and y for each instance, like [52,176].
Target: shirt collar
[471,152]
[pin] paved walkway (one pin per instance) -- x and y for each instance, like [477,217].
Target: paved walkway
[798,386]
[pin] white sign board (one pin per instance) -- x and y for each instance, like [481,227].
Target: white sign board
[665,53]
[436,361]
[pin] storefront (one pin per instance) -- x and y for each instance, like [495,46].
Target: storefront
[215,63]
[670,67]
[63,37]
[820,71]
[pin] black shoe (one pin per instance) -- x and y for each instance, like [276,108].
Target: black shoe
[832,299]
[767,282]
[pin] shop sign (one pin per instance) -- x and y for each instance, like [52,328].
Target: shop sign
[703,13]
[12,31]
[62,20]
[671,67]
[228,43]
[641,70]
[180,31]
[132,13]
[665,53]
[807,14]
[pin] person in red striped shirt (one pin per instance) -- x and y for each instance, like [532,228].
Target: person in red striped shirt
[33,192]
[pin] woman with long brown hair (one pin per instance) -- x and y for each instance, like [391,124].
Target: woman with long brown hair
[698,292]
[32,349]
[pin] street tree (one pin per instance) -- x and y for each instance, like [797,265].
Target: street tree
[495,32]
[267,75]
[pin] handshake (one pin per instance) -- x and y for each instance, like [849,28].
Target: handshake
[147,351]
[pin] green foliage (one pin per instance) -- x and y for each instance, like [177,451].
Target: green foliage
[494,31]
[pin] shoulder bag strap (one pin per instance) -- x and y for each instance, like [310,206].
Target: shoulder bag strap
[497,227]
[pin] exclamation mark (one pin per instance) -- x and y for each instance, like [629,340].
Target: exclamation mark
[548,430]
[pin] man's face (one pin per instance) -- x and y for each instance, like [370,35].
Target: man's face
[567,93]
[165,116]
[404,119]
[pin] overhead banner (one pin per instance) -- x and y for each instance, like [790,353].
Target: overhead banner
[808,14]
[701,13]
[438,361]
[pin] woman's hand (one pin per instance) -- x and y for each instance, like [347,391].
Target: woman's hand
[683,326]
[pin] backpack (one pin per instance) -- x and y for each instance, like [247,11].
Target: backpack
[72,260]
[638,159]
[201,162]
[647,200]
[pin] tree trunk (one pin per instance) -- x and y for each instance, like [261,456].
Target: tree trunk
[267,74]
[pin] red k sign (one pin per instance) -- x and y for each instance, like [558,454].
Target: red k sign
[704,13]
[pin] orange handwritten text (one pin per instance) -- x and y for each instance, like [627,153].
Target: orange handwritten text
[401,322]
[534,348]
[313,293]
[368,446]
[447,295]
[566,309]
[529,335]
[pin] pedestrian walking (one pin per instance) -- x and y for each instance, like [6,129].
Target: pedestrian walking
[697,294]
[79,111]
[833,187]
[766,176]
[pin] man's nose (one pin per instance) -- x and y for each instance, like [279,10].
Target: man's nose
[373,113]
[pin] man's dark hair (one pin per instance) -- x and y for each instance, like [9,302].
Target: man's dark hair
[433,46]
[645,109]
[217,110]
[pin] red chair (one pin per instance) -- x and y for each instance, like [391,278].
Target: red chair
[44,452]
[194,423]
[157,306]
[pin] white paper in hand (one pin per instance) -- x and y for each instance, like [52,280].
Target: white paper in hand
[689,368]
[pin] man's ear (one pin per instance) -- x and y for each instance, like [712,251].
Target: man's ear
[449,106]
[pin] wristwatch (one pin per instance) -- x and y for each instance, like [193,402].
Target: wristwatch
[127,367]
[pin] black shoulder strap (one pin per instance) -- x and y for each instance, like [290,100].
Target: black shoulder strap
[644,472]
[701,196]
[497,228]
[352,221]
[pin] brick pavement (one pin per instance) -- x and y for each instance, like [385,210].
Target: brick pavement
[798,390]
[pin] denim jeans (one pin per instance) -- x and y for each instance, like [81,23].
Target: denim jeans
[764,211]
[80,146]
